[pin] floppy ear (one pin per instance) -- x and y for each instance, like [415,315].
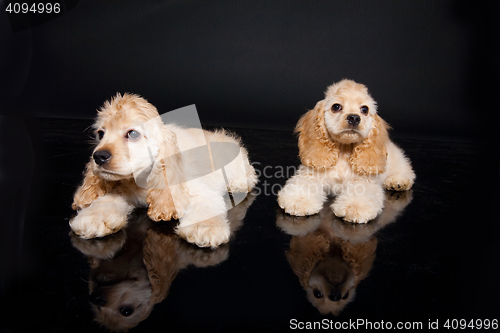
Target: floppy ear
[161,260]
[370,155]
[92,188]
[315,147]
[305,252]
[360,257]
[168,197]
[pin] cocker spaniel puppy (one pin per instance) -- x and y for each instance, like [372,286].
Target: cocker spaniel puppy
[140,161]
[345,151]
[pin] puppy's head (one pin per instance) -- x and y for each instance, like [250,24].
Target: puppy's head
[349,111]
[331,285]
[125,131]
[346,117]
[327,276]
[121,304]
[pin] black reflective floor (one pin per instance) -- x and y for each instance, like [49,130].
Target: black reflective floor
[431,255]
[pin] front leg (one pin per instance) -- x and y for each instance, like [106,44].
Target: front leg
[161,205]
[359,202]
[302,196]
[168,203]
[400,174]
[92,188]
[205,223]
[399,182]
[104,216]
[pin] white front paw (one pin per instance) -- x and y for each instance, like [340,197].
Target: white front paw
[241,184]
[302,206]
[301,201]
[209,233]
[92,223]
[356,211]
[398,183]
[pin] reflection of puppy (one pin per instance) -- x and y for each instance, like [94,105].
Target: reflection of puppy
[331,257]
[120,290]
[345,151]
[330,269]
[140,161]
[133,269]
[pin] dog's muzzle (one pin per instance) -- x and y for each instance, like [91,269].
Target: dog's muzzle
[101,157]
[353,119]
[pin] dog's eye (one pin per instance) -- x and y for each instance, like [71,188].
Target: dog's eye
[99,135]
[336,107]
[134,135]
[364,109]
[317,293]
[126,311]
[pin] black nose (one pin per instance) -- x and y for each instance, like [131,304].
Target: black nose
[353,119]
[97,299]
[102,156]
[335,296]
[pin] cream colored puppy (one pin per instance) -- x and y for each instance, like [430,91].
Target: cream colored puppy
[345,151]
[140,161]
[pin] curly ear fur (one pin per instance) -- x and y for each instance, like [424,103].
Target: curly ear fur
[167,197]
[369,157]
[161,258]
[359,256]
[305,252]
[316,149]
[92,188]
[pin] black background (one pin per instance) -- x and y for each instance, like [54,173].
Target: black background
[431,65]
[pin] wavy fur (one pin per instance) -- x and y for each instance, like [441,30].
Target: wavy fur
[345,150]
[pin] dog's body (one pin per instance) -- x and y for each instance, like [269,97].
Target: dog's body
[345,151]
[133,140]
